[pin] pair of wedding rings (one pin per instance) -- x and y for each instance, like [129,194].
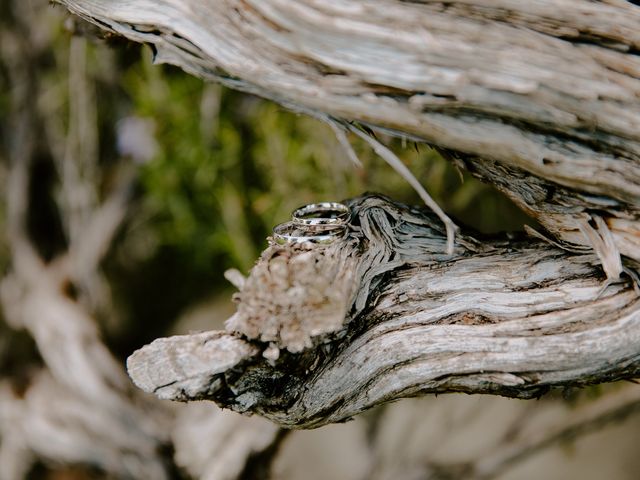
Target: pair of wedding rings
[317,223]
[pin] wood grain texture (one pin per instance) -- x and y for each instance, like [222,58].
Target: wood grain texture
[508,317]
[541,99]
[547,91]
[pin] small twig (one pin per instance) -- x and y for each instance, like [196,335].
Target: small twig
[603,244]
[99,230]
[235,278]
[343,140]
[78,165]
[25,258]
[395,163]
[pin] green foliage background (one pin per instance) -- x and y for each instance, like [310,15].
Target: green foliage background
[228,167]
[221,186]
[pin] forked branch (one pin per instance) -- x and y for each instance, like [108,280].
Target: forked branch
[542,101]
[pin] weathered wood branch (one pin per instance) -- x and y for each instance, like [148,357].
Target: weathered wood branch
[505,317]
[214,444]
[615,406]
[540,98]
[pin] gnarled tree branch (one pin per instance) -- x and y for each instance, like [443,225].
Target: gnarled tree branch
[540,99]
[506,317]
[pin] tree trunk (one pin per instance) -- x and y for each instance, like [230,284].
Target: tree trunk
[541,99]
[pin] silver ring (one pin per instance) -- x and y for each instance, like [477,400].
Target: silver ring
[290,232]
[325,214]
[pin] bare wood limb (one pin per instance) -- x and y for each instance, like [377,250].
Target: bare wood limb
[405,173]
[542,100]
[613,407]
[552,120]
[51,422]
[505,317]
[461,437]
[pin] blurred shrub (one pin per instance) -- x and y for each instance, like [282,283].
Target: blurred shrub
[231,167]
[217,169]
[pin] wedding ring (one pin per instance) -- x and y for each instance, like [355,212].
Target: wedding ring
[322,215]
[291,232]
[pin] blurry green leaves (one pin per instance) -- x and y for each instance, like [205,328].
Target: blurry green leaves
[217,185]
[230,166]
[300,161]
[184,183]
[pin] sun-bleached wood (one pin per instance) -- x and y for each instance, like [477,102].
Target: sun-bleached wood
[71,403]
[509,317]
[540,98]
[214,444]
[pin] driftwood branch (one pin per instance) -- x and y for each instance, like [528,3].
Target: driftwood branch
[542,100]
[616,406]
[214,444]
[432,438]
[323,334]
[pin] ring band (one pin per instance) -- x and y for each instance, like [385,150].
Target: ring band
[325,214]
[290,232]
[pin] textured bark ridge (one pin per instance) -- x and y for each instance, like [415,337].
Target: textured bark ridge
[510,317]
[541,99]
